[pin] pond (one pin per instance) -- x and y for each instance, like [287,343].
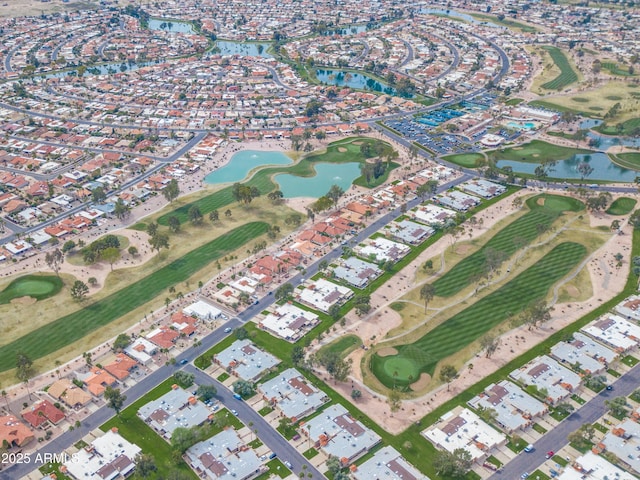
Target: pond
[104,69]
[169,25]
[603,168]
[462,16]
[327,174]
[354,80]
[247,49]
[242,163]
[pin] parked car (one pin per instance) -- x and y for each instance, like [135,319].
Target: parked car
[549,454]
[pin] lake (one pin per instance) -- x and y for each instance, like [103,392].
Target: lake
[327,174]
[176,25]
[603,168]
[247,49]
[242,163]
[360,81]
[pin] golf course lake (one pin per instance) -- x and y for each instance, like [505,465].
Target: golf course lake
[169,25]
[603,168]
[242,163]
[357,80]
[246,49]
[327,174]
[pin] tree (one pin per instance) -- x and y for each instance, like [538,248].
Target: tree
[356,394]
[595,382]
[121,342]
[335,365]
[454,464]
[334,311]
[115,399]
[284,291]
[184,379]
[24,369]
[564,408]
[158,241]
[582,436]
[174,223]
[362,303]
[145,465]
[394,400]
[334,193]
[171,191]
[195,215]
[183,438]
[98,195]
[133,251]
[535,314]
[584,168]
[152,229]
[617,407]
[121,210]
[214,216]
[79,290]
[334,465]
[68,246]
[244,389]
[54,260]
[275,196]
[111,255]
[227,213]
[206,392]
[297,355]
[489,344]
[427,292]
[447,374]
[241,333]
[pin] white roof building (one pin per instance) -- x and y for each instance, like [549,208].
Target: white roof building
[382,249]
[629,308]
[591,356]
[615,332]
[141,350]
[245,360]
[430,214]
[176,408]
[594,467]
[515,408]
[546,374]
[224,456]
[289,322]
[624,442]
[461,428]
[387,464]
[321,294]
[337,433]
[202,310]
[293,394]
[109,456]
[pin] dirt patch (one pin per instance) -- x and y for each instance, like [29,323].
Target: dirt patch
[387,352]
[572,291]
[540,201]
[463,249]
[24,300]
[359,142]
[422,382]
[342,149]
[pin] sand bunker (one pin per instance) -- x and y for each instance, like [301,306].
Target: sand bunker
[387,352]
[342,149]
[422,382]
[26,300]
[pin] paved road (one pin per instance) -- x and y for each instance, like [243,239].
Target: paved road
[555,439]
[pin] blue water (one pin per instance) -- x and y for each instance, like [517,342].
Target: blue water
[354,80]
[242,163]
[462,16]
[176,26]
[247,49]
[522,126]
[327,174]
[603,168]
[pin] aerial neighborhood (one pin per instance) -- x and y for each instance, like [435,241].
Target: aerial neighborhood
[313,239]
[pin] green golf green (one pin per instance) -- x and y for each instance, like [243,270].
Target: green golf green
[36,286]
[621,206]
[471,323]
[70,328]
[543,210]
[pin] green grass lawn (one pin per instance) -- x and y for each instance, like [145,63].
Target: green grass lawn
[342,346]
[567,74]
[36,286]
[72,327]
[467,160]
[471,323]
[628,127]
[341,151]
[616,69]
[514,101]
[578,400]
[539,428]
[536,151]
[630,360]
[309,454]
[630,160]
[524,230]
[621,206]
